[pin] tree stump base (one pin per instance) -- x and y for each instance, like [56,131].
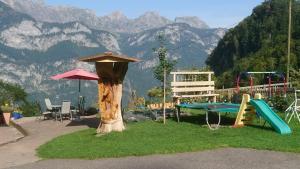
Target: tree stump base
[107,127]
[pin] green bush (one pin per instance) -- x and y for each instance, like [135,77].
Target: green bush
[91,111]
[14,94]
[279,103]
[29,109]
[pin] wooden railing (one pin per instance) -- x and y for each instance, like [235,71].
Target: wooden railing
[263,89]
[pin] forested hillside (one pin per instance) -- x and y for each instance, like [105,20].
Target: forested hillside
[258,43]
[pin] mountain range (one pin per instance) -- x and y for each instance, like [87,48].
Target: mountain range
[114,22]
[34,47]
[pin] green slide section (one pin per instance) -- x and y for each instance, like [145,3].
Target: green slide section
[270,116]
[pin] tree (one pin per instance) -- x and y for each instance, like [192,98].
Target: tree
[163,69]
[164,63]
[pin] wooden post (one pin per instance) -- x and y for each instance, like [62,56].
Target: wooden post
[289,43]
[164,102]
[174,80]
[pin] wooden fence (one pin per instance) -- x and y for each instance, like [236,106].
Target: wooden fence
[266,90]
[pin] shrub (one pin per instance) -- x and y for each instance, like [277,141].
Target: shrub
[279,103]
[29,109]
[91,111]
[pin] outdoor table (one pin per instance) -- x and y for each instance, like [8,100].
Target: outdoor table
[56,109]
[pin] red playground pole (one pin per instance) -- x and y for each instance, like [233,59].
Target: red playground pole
[270,89]
[251,85]
[284,86]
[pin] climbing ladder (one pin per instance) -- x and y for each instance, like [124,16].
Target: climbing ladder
[247,112]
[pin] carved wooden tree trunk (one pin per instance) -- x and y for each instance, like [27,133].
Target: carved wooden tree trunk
[110,95]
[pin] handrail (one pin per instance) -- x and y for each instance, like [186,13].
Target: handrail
[257,86]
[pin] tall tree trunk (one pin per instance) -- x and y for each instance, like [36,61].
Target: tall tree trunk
[110,95]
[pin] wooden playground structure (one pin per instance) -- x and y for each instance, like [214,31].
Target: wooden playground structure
[192,84]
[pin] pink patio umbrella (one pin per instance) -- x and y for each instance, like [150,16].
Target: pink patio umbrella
[76,74]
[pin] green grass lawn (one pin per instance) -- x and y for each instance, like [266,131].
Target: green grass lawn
[149,137]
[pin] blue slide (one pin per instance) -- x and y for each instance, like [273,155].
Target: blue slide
[270,116]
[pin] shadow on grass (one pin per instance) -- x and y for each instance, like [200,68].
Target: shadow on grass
[200,119]
[91,122]
[268,128]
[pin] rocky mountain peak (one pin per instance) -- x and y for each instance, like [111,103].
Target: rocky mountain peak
[150,14]
[150,20]
[117,15]
[193,21]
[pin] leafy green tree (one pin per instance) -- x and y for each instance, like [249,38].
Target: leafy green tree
[164,63]
[156,94]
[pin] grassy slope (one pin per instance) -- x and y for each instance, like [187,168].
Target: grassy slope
[155,138]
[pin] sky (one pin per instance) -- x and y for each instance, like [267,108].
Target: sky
[216,13]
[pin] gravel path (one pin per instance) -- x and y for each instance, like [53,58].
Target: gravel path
[23,151]
[227,158]
[9,135]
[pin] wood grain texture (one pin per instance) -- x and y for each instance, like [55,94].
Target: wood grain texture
[110,95]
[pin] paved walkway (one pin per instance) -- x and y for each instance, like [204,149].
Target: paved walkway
[227,158]
[23,151]
[9,134]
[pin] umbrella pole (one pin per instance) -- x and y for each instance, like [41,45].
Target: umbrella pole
[78,98]
[79,87]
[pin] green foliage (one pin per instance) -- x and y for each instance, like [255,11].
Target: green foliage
[156,94]
[11,93]
[16,95]
[258,43]
[7,108]
[164,63]
[295,78]
[279,103]
[29,109]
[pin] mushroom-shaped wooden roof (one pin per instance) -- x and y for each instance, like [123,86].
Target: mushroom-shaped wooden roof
[108,57]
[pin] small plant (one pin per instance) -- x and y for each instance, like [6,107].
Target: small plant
[6,108]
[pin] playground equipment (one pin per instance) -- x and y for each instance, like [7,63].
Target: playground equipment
[271,77]
[210,107]
[246,112]
[248,109]
[294,109]
[193,84]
